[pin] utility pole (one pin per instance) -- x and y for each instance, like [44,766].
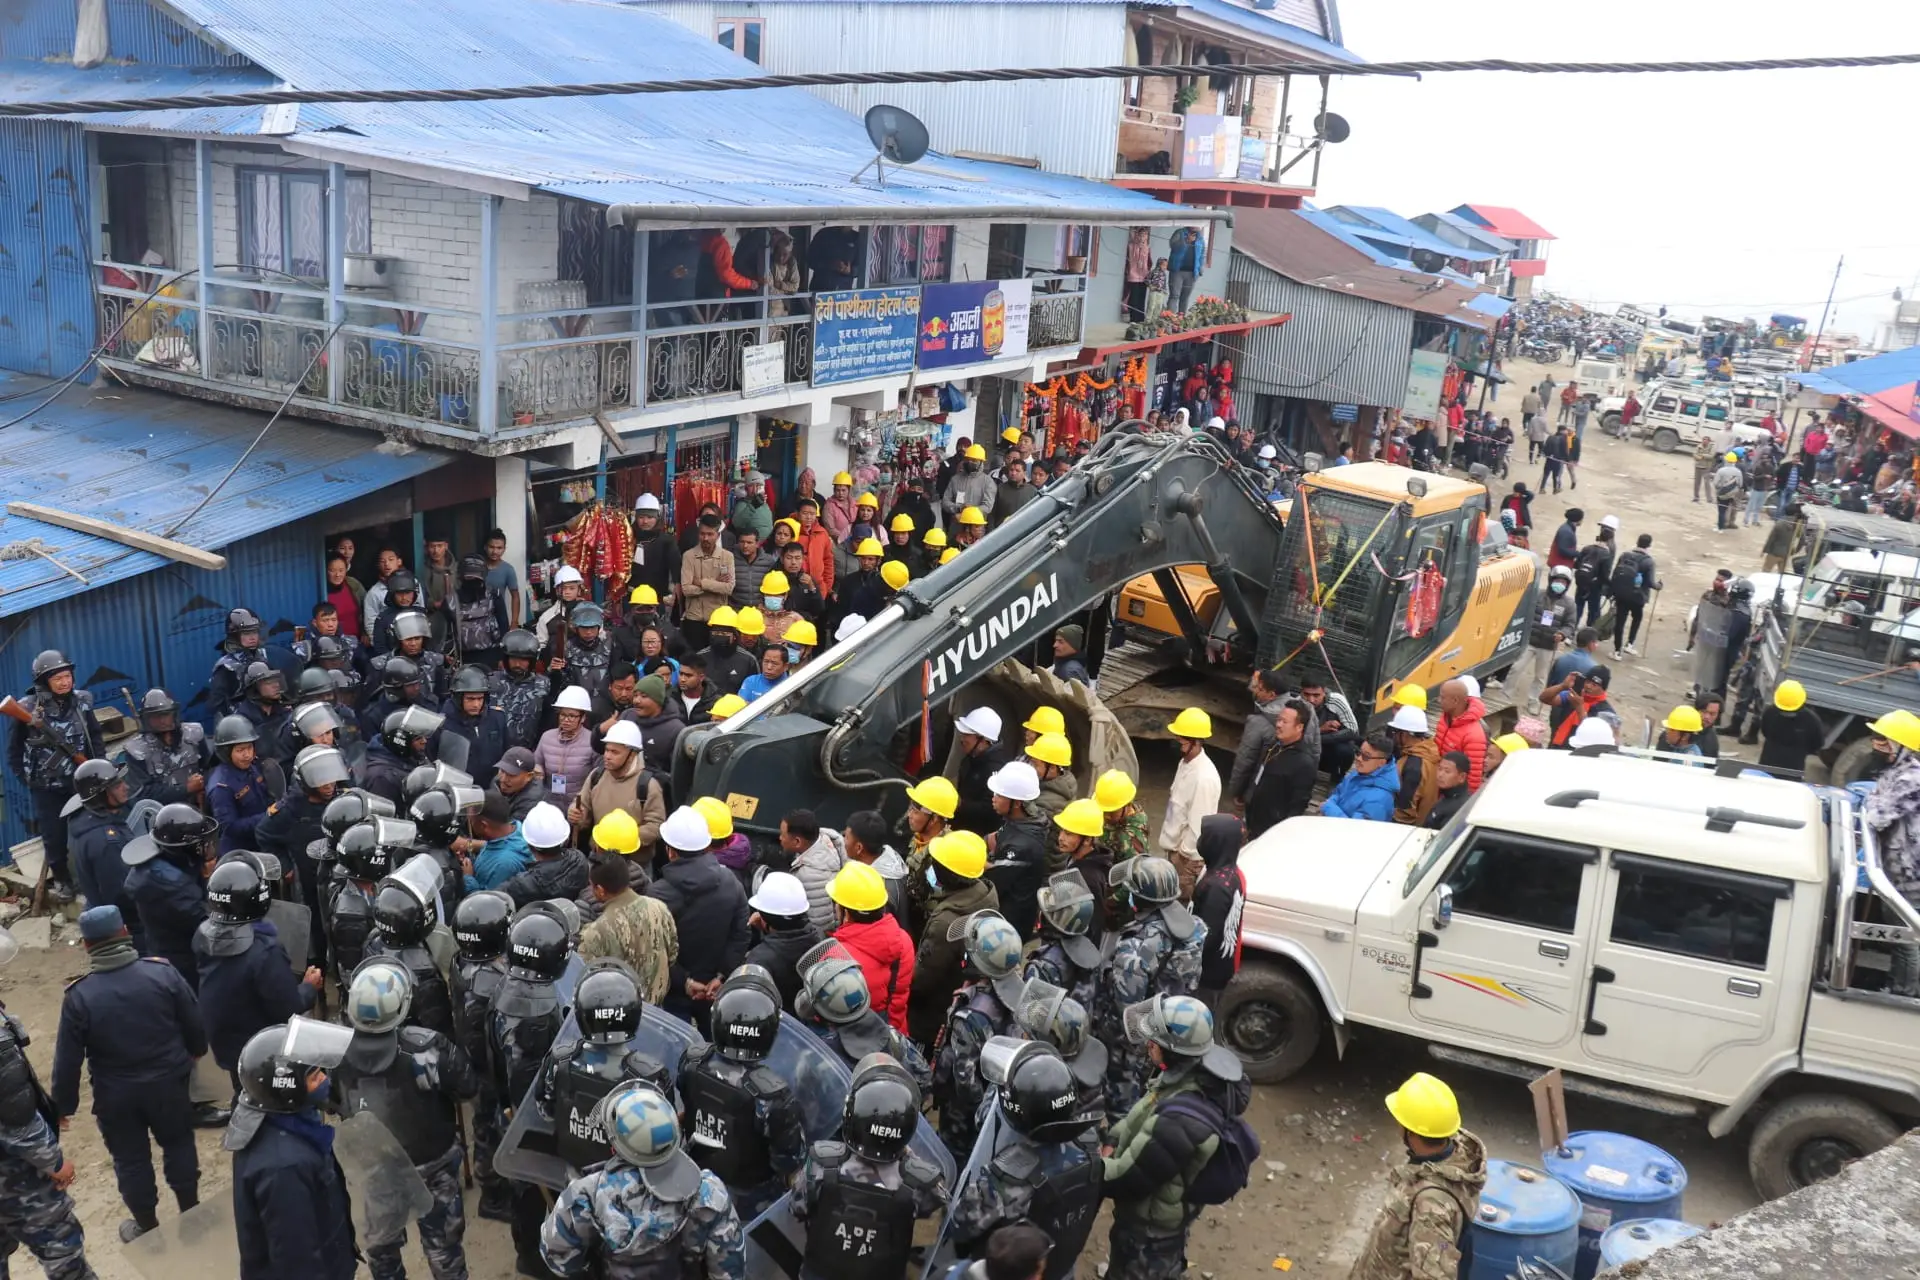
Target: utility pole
[1807,361]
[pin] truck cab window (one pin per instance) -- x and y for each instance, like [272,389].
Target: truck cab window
[1722,918]
[1520,881]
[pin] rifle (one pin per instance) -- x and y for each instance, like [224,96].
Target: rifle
[37,725]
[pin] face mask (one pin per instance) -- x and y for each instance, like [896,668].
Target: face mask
[933,881]
[1557,587]
[793,654]
[723,647]
[773,603]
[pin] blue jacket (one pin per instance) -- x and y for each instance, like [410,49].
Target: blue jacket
[172,904]
[500,861]
[245,993]
[237,799]
[486,737]
[135,1025]
[1186,253]
[290,1205]
[756,684]
[1365,795]
[94,842]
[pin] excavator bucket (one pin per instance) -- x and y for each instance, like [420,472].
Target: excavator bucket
[1099,740]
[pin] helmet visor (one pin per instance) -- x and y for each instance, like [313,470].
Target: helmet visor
[419,876]
[418,722]
[317,766]
[1000,1055]
[411,626]
[315,1043]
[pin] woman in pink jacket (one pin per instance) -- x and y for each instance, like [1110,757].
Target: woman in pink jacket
[565,755]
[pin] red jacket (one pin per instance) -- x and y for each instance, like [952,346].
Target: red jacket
[1466,732]
[885,954]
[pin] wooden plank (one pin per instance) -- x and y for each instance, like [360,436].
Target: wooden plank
[138,539]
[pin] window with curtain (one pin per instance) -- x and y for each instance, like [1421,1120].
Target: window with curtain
[909,255]
[283,220]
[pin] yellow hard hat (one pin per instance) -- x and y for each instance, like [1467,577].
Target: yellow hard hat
[1510,743]
[1790,695]
[714,812]
[751,621]
[894,574]
[858,887]
[643,594]
[724,616]
[868,499]
[1684,719]
[935,537]
[961,852]
[972,515]
[1732,457]
[792,524]
[1011,435]
[1114,790]
[869,547]
[843,477]
[1899,725]
[949,554]
[1192,723]
[1052,748]
[976,453]
[1410,695]
[1046,720]
[775,584]
[726,704]
[1083,818]
[902,523]
[800,631]
[935,795]
[617,832]
[1424,1105]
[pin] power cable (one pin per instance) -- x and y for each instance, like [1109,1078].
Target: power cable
[989,75]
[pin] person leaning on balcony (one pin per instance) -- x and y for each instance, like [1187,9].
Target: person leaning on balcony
[1185,254]
[718,278]
[783,277]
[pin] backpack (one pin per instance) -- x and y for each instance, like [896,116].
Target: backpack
[1226,1172]
[1586,566]
[1626,575]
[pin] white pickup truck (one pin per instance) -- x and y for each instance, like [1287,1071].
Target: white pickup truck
[1696,944]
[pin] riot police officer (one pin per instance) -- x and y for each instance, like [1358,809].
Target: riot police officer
[344,663]
[240,649]
[521,1027]
[835,1005]
[441,814]
[518,690]
[982,1009]
[165,883]
[580,1073]
[1066,955]
[413,1079]
[167,761]
[406,926]
[744,1120]
[264,706]
[401,747]
[35,1209]
[399,687]
[136,1024]
[1033,1170]
[310,724]
[293,827]
[1157,951]
[1051,1016]
[859,1194]
[649,1210]
[290,1203]
[363,855]
[470,715]
[97,833]
[480,933]
[411,633]
[44,754]
[589,652]
[246,977]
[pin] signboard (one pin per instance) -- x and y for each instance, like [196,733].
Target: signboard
[762,368]
[1253,158]
[1210,147]
[1425,373]
[864,333]
[1346,413]
[971,322]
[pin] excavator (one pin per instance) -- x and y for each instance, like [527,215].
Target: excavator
[1379,575]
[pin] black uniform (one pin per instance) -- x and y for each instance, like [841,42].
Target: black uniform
[290,1204]
[288,833]
[432,998]
[473,985]
[348,919]
[521,1028]
[138,1029]
[488,736]
[248,983]
[387,772]
[859,1227]
[172,902]
[742,1124]
[94,841]
[375,713]
[41,761]
[159,764]
[576,1077]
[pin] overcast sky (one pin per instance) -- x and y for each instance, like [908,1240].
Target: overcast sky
[1730,193]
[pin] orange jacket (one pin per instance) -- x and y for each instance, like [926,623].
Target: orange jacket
[819,548]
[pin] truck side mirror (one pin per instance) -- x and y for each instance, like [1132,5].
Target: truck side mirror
[1443,906]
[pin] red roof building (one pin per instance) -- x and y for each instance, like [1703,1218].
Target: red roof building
[1529,261]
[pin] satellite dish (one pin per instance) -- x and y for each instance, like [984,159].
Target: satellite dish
[1428,260]
[897,134]
[1332,128]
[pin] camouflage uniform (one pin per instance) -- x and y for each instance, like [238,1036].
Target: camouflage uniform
[443,1228]
[976,1017]
[608,1224]
[919,857]
[1127,836]
[523,702]
[639,930]
[1048,962]
[856,1168]
[1147,960]
[33,1211]
[1429,1204]
[897,1044]
[866,1236]
[990,1199]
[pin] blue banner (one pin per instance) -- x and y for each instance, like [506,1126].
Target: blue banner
[974,321]
[864,333]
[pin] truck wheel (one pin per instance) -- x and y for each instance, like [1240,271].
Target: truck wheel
[1666,440]
[1810,1138]
[1610,422]
[1270,1016]
[1853,761]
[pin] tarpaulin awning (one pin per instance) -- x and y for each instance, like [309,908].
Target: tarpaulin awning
[1491,303]
[1866,377]
[1893,409]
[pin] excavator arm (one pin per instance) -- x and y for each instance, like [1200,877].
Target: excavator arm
[1139,502]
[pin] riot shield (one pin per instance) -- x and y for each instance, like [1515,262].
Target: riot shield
[293,921]
[209,1083]
[140,817]
[386,1190]
[995,1133]
[451,750]
[528,1150]
[199,1243]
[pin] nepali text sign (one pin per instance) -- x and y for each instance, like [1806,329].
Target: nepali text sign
[863,333]
[763,368]
[974,321]
[1425,375]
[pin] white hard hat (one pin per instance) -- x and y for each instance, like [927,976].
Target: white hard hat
[1268,453]
[848,626]
[1594,731]
[686,831]
[573,698]
[780,894]
[1411,719]
[984,721]
[567,574]
[1216,422]
[1015,780]
[1471,684]
[546,827]
[1610,522]
[646,502]
[626,733]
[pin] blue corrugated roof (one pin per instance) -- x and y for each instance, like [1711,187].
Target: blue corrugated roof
[1491,303]
[1866,377]
[37,80]
[143,460]
[1498,244]
[1261,24]
[1399,230]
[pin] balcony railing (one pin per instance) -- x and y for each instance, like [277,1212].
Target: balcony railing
[1146,133]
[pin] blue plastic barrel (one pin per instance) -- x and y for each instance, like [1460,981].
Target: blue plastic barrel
[1617,1178]
[1524,1214]
[1630,1241]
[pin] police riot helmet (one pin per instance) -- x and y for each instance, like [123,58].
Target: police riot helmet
[343,811]
[1066,903]
[330,649]
[993,945]
[379,995]
[47,664]
[1046,1012]
[314,684]
[258,677]
[746,1015]
[424,778]
[441,813]
[468,679]
[241,621]
[587,616]
[366,849]
[237,893]
[537,947]
[402,580]
[400,916]
[521,643]
[398,673]
[833,987]
[181,829]
[1180,1025]
[607,1004]
[156,706]
[882,1111]
[314,720]
[231,732]
[644,1129]
[93,784]
[411,624]
[1150,879]
[1039,1094]
[410,724]
[316,767]
[275,1063]
[480,925]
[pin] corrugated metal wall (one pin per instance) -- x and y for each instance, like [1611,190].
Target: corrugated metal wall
[136,31]
[162,628]
[46,294]
[1337,348]
[1070,127]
